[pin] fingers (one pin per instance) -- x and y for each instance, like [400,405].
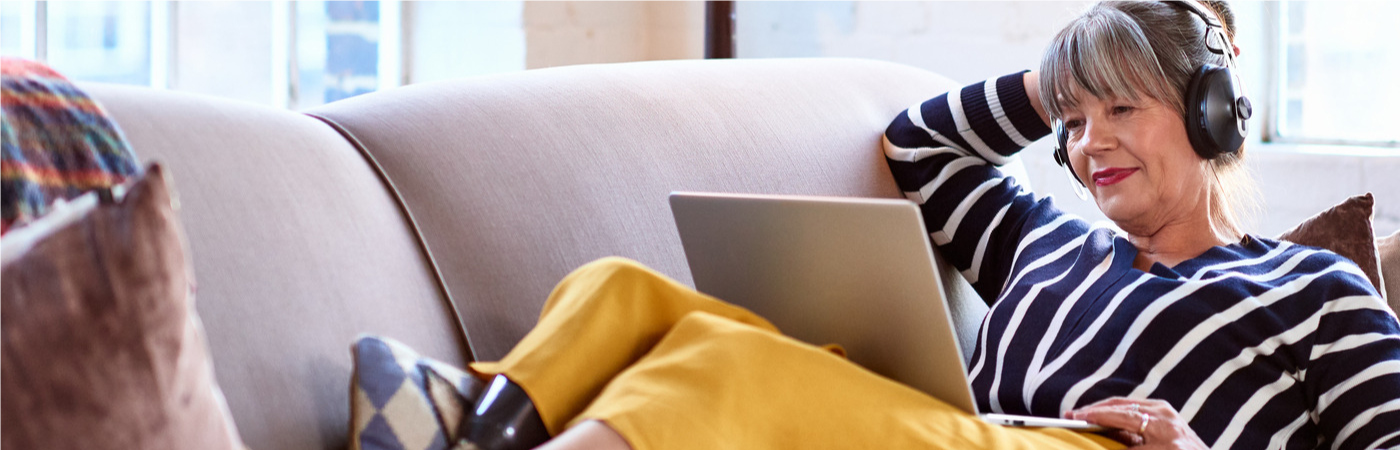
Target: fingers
[1148,423]
[1111,401]
[1156,408]
[1145,402]
[1112,416]
[1124,437]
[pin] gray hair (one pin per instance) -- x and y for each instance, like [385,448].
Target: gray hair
[1131,49]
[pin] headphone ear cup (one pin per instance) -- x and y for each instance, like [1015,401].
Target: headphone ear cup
[1212,124]
[1062,156]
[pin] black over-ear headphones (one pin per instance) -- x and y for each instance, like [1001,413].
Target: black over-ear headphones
[1216,107]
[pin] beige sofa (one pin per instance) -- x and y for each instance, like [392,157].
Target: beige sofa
[442,214]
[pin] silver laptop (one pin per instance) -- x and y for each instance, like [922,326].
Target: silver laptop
[856,272]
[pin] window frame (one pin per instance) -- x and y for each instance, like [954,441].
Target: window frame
[34,36]
[393,64]
[1276,40]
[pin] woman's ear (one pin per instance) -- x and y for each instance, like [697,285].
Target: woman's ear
[1237,50]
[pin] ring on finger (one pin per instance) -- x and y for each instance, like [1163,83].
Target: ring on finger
[1145,418]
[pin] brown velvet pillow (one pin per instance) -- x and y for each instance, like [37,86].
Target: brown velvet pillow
[1346,230]
[101,345]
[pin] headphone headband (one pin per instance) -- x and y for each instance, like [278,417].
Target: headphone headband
[1215,30]
[1200,10]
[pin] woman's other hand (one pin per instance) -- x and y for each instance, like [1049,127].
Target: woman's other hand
[1144,424]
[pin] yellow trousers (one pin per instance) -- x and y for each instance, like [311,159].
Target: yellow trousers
[668,367]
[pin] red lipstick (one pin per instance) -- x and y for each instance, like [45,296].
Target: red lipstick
[1112,175]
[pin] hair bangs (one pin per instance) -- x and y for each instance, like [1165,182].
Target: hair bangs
[1105,54]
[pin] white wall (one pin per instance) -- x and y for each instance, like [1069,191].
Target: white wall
[1297,184]
[223,48]
[967,41]
[445,40]
[581,32]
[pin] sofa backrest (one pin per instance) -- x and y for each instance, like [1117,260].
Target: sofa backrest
[297,247]
[515,180]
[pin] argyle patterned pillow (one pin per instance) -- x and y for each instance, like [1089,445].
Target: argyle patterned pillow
[400,400]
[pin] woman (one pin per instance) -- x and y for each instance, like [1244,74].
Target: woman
[1175,328]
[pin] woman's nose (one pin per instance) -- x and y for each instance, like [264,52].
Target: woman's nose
[1097,137]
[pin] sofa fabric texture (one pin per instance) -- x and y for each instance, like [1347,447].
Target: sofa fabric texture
[1389,251]
[102,347]
[517,179]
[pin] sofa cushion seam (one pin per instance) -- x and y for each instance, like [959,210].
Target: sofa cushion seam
[412,224]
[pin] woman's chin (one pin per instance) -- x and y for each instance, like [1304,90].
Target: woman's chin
[1118,209]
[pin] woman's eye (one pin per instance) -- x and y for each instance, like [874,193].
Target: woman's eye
[1122,109]
[1073,124]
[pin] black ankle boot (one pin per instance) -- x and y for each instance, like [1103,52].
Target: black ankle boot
[504,419]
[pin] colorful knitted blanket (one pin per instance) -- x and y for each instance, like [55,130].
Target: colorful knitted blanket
[58,142]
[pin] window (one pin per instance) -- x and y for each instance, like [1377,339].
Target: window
[344,49]
[100,41]
[17,29]
[114,42]
[295,54]
[1324,79]
[1335,62]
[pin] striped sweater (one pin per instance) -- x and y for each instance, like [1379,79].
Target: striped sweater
[1260,344]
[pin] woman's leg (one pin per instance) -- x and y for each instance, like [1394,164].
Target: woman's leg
[587,435]
[598,321]
[716,383]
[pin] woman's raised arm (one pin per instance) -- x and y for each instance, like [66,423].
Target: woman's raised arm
[943,154]
[1031,81]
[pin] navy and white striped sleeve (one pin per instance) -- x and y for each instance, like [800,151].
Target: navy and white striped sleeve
[943,154]
[1354,368]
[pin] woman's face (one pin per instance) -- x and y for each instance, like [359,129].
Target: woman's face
[1137,162]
